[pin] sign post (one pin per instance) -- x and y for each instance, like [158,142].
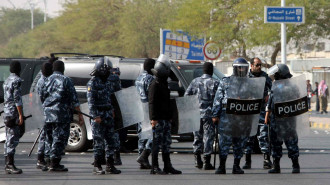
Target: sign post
[283,15]
[180,46]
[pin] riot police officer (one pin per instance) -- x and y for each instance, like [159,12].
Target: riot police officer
[160,116]
[59,97]
[142,84]
[256,72]
[115,86]
[240,69]
[206,87]
[99,103]
[281,72]
[43,147]
[13,115]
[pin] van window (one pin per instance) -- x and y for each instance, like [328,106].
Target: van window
[192,72]
[36,70]
[4,72]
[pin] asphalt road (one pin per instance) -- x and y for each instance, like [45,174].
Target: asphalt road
[314,161]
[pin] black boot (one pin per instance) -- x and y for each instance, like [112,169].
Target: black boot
[236,168]
[10,167]
[103,161]
[267,162]
[111,167]
[117,160]
[247,164]
[276,166]
[41,163]
[222,167]
[207,164]
[198,161]
[155,166]
[97,167]
[168,168]
[143,159]
[47,164]
[295,165]
[55,166]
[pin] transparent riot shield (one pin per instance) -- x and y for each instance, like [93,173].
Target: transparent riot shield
[244,99]
[33,106]
[188,113]
[2,125]
[290,106]
[145,124]
[130,106]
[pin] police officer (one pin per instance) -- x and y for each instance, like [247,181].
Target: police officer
[160,116]
[43,148]
[59,97]
[282,72]
[206,87]
[13,115]
[240,69]
[115,86]
[142,84]
[99,103]
[255,72]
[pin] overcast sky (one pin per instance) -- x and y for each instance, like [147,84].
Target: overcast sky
[53,6]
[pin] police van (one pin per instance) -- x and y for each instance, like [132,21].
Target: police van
[78,67]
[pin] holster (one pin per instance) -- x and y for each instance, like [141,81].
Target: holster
[10,121]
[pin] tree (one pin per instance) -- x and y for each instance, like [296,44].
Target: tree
[238,25]
[16,21]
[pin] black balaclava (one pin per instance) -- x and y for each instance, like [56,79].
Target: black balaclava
[47,69]
[58,66]
[149,63]
[15,67]
[208,68]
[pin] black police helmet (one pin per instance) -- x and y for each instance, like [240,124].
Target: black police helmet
[100,68]
[58,66]
[162,67]
[47,69]
[15,67]
[240,67]
[280,71]
[208,68]
[149,64]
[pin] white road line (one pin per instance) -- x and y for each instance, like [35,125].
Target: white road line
[23,151]
[306,150]
[321,150]
[316,132]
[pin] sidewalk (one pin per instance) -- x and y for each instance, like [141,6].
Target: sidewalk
[317,120]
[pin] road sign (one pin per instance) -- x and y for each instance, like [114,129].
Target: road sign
[211,50]
[293,15]
[179,45]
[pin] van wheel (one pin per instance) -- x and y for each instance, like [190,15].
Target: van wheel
[77,139]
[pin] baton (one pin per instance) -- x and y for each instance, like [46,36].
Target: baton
[25,117]
[216,144]
[35,142]
[77,111]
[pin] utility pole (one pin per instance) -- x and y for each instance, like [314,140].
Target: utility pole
[283,38]
[32,5]
[45,11]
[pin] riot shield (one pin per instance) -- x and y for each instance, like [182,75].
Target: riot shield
[130,106]
[290,104]
[244,98]
[189,114]
[2,130]
[33,106]
[145,124]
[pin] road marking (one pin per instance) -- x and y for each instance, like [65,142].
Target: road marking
[316,132]
[320,125]
[82,153]
[322,151]
[306,150]
[23,151]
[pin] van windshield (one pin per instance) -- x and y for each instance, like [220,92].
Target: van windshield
[4,72]
[192,72]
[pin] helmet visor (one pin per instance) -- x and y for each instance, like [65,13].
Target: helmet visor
[273,70]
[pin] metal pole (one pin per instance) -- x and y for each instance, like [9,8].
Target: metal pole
[283,38]
[45,11]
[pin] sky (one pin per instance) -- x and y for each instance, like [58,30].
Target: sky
[53,6]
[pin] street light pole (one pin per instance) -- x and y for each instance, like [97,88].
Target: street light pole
[283,38]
